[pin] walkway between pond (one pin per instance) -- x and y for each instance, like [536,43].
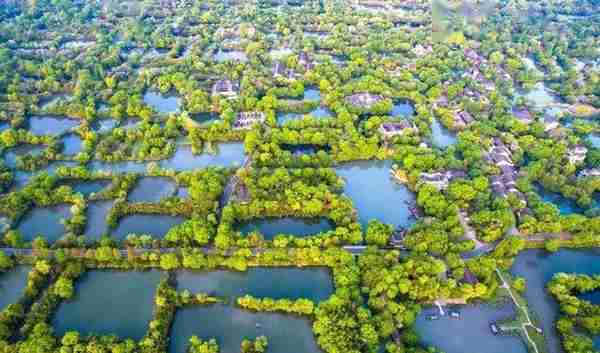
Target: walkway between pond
[78,252]
[525,324]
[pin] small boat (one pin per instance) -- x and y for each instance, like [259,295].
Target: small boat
[432,317]
[257,325]
[494,328]
[455,314]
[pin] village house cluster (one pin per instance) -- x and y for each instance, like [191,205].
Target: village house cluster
[577,153]
[462,119]
[226,88]
[245,120]
[280,70]
[505,182]
[391,129]
[441,180]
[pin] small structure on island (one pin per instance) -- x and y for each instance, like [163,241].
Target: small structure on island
[577,153]
[504,183]
[246,120]
[392,129]
[226,88]
[364,100]
[441,180]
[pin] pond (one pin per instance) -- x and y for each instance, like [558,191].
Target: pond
[321,113]
[312,283]
[86,188]
[538,267]
[280,53]
[72,144]
[53,99]
[10,156]
[95,224]
[105,125]
[471,330]
[152,189]
[299,227]
[118,167]
[162,104]
[229,325]
[206,118]
[402,109]
[183,192]
[285,117]
[375,194]
[50,125]
[302,149]
[21,178]
[109,302]
[129,124]
[230,55]
[312,94]
[441,136]
[530,64]
[45,221]
[565,206]
[4,125]
[594,140]
[540,96]
[227,155]
[155,225]
[12,285]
